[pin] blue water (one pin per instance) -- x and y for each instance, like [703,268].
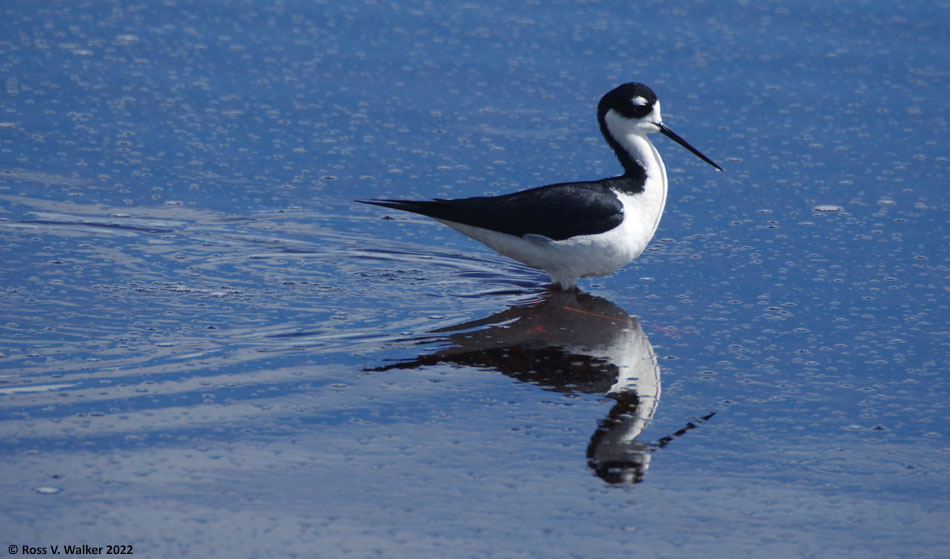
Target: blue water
[206,348]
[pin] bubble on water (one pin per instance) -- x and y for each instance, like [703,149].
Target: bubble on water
[827,208]
[48,490]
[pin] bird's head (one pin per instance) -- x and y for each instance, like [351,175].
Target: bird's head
[633,109]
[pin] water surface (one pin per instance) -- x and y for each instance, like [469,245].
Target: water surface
[207,347]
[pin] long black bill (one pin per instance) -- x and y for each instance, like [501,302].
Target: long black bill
[675,137]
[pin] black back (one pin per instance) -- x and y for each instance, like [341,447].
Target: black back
[557,211]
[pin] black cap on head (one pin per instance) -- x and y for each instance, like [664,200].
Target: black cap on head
[631,100]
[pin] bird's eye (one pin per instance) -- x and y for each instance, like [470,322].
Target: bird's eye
[639,101]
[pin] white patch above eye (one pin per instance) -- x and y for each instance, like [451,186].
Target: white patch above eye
[639,101]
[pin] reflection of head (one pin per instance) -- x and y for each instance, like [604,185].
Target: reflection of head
[614,453]
[626,471]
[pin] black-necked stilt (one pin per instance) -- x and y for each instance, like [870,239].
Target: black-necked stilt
[576,229]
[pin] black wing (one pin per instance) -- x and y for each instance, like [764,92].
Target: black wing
[557,211]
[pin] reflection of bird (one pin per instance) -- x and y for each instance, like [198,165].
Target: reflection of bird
[576,229]
[573,343]
[568,342]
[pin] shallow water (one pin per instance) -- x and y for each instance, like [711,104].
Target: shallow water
[207,347]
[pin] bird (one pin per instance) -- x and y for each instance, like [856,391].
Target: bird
[572,230]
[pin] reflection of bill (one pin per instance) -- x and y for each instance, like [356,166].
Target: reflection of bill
[573,343]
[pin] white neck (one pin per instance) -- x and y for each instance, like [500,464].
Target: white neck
[632,137]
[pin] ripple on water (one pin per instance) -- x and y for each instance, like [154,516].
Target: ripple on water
[855,466]
[176,300]
[851,467]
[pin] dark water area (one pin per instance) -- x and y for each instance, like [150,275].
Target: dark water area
[207,348]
